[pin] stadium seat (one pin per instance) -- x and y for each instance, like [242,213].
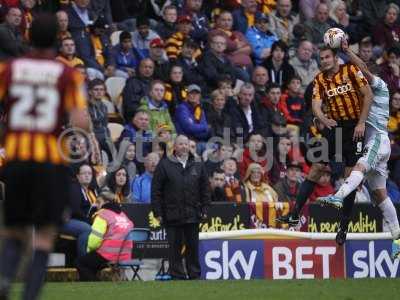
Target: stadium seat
[114,86]
[115,131]
[136,235]
[115,37]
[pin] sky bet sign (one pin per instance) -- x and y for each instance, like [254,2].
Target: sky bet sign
[370,259]
[275,259]
[296,259]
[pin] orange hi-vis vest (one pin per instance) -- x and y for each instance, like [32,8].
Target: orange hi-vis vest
[114,247]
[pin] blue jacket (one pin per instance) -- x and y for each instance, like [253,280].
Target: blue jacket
[141,188]
[123,61]
[186,124]
[240,20]
[259,41]
[130,133]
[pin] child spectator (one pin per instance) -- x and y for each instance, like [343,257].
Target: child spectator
[292,104]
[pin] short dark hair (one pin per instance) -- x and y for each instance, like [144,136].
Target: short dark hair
[142,20]
[124,36]
[217,171]
[325,48]
[393,50]
[95,82]
[273,85]
[279,44]
[44,31]
[189,43]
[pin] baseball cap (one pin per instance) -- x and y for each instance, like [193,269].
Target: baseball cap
[262,18]
[156,43]
[184,19]
[194,88]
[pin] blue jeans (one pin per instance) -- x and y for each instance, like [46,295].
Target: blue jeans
[80,230]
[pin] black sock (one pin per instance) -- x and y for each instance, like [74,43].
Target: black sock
[35,274]
[9,261]
[305,190]
[347,209]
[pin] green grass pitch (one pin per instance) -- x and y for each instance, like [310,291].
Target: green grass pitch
[363,289]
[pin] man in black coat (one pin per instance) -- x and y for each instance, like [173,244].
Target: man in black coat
[180,195]
[11,41]
[136,88]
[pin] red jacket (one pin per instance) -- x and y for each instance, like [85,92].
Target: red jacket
[321,191]
[246,161]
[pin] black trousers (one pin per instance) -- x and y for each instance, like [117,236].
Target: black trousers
[88,266]
[188,235]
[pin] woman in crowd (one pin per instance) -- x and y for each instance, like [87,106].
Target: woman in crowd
[256,189]
[118,183]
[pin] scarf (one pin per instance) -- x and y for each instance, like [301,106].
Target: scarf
[233,191]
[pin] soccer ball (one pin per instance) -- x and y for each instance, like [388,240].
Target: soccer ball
[333,37]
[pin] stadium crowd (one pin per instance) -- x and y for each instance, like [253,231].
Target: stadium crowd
[234,76]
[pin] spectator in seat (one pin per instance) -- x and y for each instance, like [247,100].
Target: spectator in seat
[156,107]
[101,47]
[167,26]
[269,105]
[175,89]
[277,65]
[175,42]
[142,36]
[160,59]
[292,103]
[141,186]
[394,118]
[260,79]
[81,17]
[117,182]
[98,113]
[257,190]
[340,18]
[193,8]
[238,49]
[68,53]
[218,118]
[136,88]
[245,115]
[190,118]
[287,188]
[11,41]
[27,9]
[324,186]
[137,132]
[390,69]
[215,158]
[260,39]
[304,65]
[62,20]
[128,159]
[254,152]
[191,71]
[386,32]
[233,188]
[102,9]
[278,125]
[217,182]
[283,20]
[106,241]
[214,64]
[125,56]
[82,206]
[244,17]
[316,27]
[281,159]
[365,48]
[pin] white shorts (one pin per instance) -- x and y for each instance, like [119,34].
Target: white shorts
[375,158]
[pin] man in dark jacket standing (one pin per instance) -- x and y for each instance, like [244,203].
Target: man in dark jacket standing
[180,194]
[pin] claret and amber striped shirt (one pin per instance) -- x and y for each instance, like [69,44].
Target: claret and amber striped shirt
[37,93]
[341,93]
